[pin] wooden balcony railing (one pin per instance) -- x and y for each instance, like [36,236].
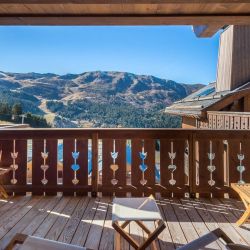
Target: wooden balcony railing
[226,120]
[167,161]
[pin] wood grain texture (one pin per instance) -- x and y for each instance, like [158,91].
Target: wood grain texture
[136,173]
[107,173]
[118,12]
[37,161]
[82,173]
[191,161]
[90,222]
[179,173]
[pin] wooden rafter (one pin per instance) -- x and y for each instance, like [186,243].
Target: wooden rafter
[206,30]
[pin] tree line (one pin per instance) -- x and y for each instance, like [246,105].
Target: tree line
[13,113]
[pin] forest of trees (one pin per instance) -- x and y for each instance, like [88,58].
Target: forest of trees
[115,114]
[13,113]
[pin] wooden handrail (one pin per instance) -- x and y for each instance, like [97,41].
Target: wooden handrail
[182,160]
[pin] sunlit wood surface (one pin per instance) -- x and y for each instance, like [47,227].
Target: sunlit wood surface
[121,12]
[87,221]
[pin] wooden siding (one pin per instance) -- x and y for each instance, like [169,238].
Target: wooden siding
[224,68]
[188,122]
[241,56]
[234,58]
[86,221]
[247,103]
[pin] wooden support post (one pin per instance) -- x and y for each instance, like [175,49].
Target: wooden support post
[192,165]
[94,164]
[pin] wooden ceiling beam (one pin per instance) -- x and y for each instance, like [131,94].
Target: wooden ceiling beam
[219,20]
[123,1]
[206,30]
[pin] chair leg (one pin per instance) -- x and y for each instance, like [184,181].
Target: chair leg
[3,193]
[17,239]
[244,217]
[117,241]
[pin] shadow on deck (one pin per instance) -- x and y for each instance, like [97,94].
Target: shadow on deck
[86,221]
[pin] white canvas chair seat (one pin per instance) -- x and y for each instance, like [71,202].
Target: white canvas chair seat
[138,210]
[36,243]
[142,209]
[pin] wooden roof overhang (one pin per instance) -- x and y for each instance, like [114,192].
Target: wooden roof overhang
[200,112]
[208,15]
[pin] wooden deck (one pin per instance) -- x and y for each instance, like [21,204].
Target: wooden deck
[87,221]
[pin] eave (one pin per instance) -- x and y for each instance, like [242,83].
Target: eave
[214,14]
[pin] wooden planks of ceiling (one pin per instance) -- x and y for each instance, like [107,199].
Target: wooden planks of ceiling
[210,15]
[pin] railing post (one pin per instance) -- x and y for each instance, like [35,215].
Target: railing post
[94,164]
[192,157]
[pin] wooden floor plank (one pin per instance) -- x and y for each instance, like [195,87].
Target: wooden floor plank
[175,229]
[151,226]
[107,239]
[26,219]
[9,200]
[62,219]
[185,223]
[124,244]
[8,205]
[237,208]
[41,216]
[206,216]
[43,229]
[231,218]
[165,239]
[218,214]
[72,224]
[197,221]
[11,208]
[136,232]
[95,232]
[88,221]
[10,222]
[83,228]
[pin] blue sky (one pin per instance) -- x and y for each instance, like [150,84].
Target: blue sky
[170,52]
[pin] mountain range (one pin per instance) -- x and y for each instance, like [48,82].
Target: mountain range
[92,99]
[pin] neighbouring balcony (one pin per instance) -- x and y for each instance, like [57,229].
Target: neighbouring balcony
[226,120]
[63,181]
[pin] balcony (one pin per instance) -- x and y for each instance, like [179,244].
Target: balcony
[226,120]
[65,196]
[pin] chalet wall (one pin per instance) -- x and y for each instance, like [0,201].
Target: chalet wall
[234,58]
[188,122]
[247,103]
[224,66]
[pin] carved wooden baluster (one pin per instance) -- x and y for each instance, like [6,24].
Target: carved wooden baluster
[44,166]
[211,168]
[143,167]
[114,167]
[14,166]
[172,167]
[75,167]
[240,167]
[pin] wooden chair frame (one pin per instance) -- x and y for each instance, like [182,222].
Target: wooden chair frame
[208,238]
[245,197]
[3,193]
[17,239]
[152,235]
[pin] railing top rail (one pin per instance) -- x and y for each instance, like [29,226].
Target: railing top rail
[229,113]
[122,133]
